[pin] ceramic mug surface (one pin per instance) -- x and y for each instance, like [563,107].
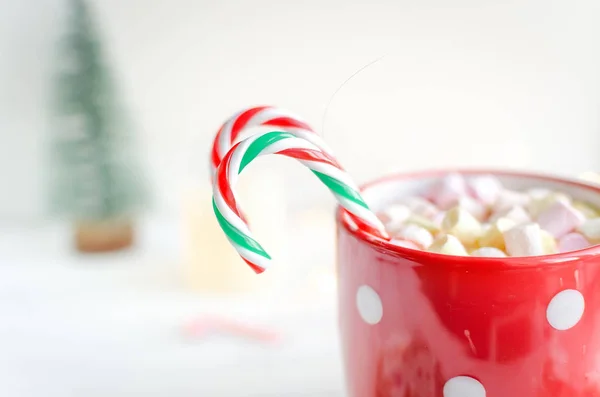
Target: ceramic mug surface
[418,324]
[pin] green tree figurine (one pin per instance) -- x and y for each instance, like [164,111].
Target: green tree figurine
[96,182]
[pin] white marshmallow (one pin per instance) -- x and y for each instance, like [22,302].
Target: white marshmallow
[394,216]
[447,191]
[484,188]
[508,199]
[516,214]
[560,218]
[474,207]
[493,236]
[538,193]
[415,219]
[416,234]
[488,252]
[572,242]
[524,240]
[460,223]
[420,206]
[591,229]
[448,245]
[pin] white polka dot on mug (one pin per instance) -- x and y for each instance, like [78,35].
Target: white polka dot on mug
[464,386]
[369,305]
[565,309]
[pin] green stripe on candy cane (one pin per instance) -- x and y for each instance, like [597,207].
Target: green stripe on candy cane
[340,189]
[333,184]
[337,187]
[321,164]
[238,238]
[260,144]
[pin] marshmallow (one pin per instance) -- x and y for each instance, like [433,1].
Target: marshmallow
[488,252]
[446,192]
[459,206]
[516,214]
[560,218]
[439,218]
[538,193]
[420,206]
[394,216]
[524,240]
[474,207]
[460,223]
[493,236]
[484,188]
[508,199]
[448,245]
[537,206]
[485,227]
[591,230]
[572,242]
[548,243]
[586,209]
[423,222]
[405,244]
[416,234]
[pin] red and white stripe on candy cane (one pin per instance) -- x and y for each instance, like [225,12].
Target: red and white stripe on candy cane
[234,129]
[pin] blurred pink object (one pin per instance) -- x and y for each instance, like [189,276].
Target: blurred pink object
[206,325]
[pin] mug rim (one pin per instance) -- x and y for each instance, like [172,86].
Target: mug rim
[433,258]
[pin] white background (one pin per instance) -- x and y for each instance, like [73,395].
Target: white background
[517,79]
[115,325]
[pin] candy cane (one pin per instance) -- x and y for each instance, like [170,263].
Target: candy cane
[322,164]
[232,130]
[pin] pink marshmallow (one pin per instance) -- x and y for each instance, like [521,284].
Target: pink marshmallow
[484,188]
[572,242]
[446,192]
[560,218]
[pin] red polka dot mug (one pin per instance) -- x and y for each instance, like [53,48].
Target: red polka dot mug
[419,324]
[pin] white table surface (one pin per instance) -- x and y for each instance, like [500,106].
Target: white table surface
[112,326]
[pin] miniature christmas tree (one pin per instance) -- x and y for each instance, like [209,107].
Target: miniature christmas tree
[95,178]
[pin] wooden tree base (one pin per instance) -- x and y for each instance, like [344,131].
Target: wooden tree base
[103,236]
